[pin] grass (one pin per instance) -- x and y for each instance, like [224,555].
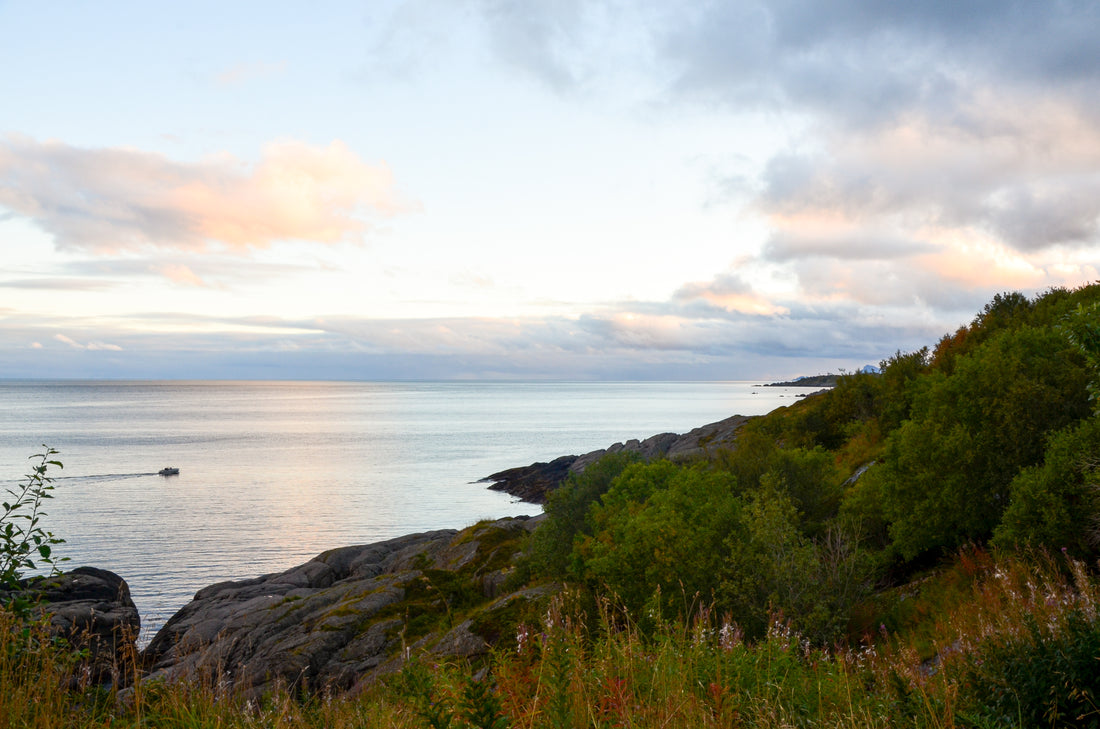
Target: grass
[989,641]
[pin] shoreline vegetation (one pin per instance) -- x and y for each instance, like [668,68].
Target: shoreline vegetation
[828,380]
[915,546]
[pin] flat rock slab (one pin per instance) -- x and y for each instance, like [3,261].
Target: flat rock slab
[336,621]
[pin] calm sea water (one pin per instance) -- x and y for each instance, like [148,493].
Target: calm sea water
[273,473]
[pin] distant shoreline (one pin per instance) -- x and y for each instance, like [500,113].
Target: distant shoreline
[814,381]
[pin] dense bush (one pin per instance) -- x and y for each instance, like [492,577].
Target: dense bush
[1056,504]
[566,516]
[945,475]
[661,526]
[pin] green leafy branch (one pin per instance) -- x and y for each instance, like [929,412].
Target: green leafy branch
[24,543]
[1082,328]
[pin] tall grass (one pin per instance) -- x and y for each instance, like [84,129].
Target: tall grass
[1017,647]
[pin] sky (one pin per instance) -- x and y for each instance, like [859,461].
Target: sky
[554,189]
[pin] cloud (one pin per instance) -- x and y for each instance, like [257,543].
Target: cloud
[91,346]
[683,338]
[56,284]
[729,292]
[937,152]
[181,274]
[1034,183]
[864,63]
[183,269]
[124,200]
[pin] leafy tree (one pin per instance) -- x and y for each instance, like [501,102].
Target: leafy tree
[1082,328]
[1007,310]
[898,385]
[566,513]
[828,419]
[661,526]
[773,567]
[812,482]
[1054,505]
[947,469]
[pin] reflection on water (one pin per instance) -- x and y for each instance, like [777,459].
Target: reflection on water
[272,473]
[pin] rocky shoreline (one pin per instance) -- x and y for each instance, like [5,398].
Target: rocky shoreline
[532,483]
[346,617]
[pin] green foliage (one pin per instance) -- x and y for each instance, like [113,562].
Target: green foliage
[660,526]
[1007,310]
[1054,505]
[811,480]
[476,706]
[898,385]
[773,567]
[829,419]
[24,543]
[1037,676]
[417,683]
[947,469]
[566,512]
[1082,328]
[479,706]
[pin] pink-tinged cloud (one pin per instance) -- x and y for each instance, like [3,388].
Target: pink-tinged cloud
[730,293]
[115,200]
[181,274]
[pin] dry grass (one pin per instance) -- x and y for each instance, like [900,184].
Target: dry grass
[574,669]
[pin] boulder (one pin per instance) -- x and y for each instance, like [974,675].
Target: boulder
[91,609]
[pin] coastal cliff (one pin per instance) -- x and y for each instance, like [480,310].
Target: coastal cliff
[351,615]
[532,483]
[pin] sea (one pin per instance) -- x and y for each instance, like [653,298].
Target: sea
[274,473]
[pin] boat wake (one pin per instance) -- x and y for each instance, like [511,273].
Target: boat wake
[91,478]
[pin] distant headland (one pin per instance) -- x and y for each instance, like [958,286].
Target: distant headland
[826,380]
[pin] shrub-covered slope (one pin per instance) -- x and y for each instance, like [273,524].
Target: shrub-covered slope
[988,436]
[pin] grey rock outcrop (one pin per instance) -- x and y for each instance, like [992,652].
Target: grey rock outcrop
[90,608]
[346,616]
[532,483]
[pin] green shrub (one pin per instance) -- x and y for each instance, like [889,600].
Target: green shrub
[24,543]
[946,470]
[660,527]
[566,516]
[1054,504]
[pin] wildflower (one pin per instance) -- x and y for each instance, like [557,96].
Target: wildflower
[522,634]
[729,635]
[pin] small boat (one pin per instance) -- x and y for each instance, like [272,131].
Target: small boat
[169,472]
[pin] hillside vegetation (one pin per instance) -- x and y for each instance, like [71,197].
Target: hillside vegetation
[989,437]
[911,548]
